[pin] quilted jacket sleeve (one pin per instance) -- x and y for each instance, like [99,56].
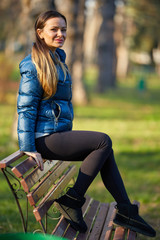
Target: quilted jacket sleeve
[29,97]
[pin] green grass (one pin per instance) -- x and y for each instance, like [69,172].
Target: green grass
[132,119]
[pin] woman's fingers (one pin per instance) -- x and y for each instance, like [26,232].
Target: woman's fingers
[40,161]
[38,158]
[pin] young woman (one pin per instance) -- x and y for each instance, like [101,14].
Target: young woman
[45,127]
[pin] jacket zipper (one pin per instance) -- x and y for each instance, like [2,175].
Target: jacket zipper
[56,118]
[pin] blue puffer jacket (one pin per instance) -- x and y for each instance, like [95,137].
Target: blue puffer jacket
[39,116]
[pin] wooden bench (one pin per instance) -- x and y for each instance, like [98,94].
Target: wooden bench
[43,187]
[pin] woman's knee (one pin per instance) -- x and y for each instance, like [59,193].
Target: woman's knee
[106,140]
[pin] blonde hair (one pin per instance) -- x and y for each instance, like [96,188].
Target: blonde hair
[41,57]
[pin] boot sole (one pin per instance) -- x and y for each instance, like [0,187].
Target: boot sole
[132,228]
[68,218]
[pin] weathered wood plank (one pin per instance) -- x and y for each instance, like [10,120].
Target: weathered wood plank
[48,200]
[69,232]
[108,226]
[99,221]
[119,233]
[131,235]
[46,183]
[23,167]
[10,159]
[61,227]
[89,218]
[32,178]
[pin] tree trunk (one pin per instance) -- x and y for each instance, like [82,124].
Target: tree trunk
[106,47]
[74,12]
[122,48]
[79,94]
[92,26]
[9,12]
[156,58]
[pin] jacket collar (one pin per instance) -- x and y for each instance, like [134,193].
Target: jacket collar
[61,54]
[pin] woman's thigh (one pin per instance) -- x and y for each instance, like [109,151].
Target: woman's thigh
[71,145]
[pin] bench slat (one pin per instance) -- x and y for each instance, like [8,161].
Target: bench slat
[23,167]
[33,177]
[69,233]
[89,218]
[47,182]
[108,226]
[67,229]
[61,227]
[99,222]
[48,200]
[10,159]
[131,235]
[119,233]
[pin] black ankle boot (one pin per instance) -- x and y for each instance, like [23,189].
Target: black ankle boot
[127,216]
[70,206]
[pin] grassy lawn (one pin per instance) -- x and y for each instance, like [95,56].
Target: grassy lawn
[132,119]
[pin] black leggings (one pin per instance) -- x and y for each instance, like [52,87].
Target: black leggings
[94,149]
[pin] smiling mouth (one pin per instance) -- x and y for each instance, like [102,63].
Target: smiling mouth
[59,40]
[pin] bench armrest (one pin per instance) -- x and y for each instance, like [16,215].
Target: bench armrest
[10,159]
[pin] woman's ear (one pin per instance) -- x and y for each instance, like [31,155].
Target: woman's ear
[40,33]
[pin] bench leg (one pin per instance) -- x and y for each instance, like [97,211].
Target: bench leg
[14,192]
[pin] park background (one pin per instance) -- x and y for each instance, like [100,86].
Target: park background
[113,53]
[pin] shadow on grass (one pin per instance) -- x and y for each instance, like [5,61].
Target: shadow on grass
[122,104]
[140,161]
[140,171]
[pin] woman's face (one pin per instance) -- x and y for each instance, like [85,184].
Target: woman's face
[54,33]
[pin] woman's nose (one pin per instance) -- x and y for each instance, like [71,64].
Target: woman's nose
[59,33]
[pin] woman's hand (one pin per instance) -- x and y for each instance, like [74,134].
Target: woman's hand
[37,157]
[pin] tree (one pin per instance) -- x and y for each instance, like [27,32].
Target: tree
[92,26]
[122,48]
[74,12]
[106,47]
[9,10]
[145,18]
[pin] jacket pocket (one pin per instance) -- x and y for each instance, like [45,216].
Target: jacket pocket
[56,111]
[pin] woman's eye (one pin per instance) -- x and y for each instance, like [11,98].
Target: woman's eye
[56,29]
